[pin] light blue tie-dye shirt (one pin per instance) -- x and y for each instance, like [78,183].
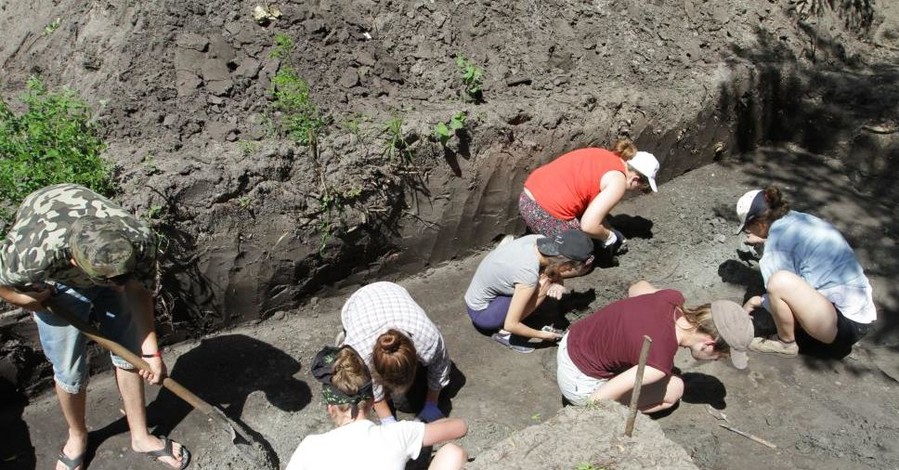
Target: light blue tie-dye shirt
[816,251]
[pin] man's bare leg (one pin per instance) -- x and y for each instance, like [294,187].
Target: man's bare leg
[73,408]
[131,386]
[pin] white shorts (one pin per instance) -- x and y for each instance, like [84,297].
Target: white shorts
[576,386]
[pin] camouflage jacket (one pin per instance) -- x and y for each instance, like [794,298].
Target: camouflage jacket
[36,248]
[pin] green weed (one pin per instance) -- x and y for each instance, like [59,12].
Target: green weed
[247,147]
[154,212]
[53,141]
[354,125]
[300,118]
[395,146]
[52,26]
[444,131]
[244,201]
[283,46]
[472,78]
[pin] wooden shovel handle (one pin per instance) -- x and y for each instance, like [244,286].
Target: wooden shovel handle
[133,359]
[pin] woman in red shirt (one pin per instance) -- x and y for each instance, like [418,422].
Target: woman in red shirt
[578,189]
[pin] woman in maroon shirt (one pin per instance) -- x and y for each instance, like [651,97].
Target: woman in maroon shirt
[597,359]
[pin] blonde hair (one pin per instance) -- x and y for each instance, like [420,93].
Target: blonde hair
[700,317]
[349,375]
[395,360]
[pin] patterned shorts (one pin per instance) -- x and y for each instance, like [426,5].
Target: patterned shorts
[540,221]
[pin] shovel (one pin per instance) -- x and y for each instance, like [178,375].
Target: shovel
[256,453]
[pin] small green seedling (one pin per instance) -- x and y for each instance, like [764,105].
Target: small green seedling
[52,26]
[395,145]
[444,131]
[472,78]
[283,46]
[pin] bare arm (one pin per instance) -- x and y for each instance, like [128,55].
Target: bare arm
[443,430]
[33,300]
[641,288]
[612,187]
[140,302]
[524,301]
[622,384]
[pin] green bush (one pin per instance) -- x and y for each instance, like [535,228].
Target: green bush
[300,118]
[53,141]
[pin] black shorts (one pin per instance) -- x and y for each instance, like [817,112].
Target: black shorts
[849,332]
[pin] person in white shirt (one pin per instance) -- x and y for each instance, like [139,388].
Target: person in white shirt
[347,391]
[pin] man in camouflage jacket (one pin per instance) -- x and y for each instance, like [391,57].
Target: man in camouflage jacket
[70,248]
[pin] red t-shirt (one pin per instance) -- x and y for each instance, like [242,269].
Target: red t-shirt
[608,342]
[565,186]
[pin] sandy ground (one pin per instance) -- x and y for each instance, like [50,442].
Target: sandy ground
[820,414]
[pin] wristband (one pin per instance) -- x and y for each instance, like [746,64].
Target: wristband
[150,356]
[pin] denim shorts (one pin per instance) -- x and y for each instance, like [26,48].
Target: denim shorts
[576,386]
[64,346]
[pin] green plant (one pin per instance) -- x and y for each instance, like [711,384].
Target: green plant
[52,26]
[396,149]
[244,201]
[247,147]
[354,125]
[154,212]
[283,46]
[536,417]
[444,131]
[300,117]
[53,141]
[472,78]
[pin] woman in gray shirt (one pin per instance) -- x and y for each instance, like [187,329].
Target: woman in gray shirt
[516,277]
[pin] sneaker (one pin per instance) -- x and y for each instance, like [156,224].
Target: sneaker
[773,345]
[512,342]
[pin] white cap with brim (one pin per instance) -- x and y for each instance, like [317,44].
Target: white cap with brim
[647,165]
[735,327]
[749,206]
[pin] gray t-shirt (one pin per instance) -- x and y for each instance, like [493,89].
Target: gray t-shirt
[515,262]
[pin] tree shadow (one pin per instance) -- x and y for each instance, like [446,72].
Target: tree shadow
[17,451]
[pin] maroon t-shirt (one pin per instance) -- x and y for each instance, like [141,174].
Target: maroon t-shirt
[608,342]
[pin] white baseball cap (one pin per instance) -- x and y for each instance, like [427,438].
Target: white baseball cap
[749,206]
[647,165]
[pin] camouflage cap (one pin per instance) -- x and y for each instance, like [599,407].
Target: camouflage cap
[101,248]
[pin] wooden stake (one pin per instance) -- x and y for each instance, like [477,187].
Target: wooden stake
[638,384]
[748,436]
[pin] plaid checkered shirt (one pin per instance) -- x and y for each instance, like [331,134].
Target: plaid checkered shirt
[378,307]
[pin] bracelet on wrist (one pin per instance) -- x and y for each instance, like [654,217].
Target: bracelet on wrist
[150,356]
